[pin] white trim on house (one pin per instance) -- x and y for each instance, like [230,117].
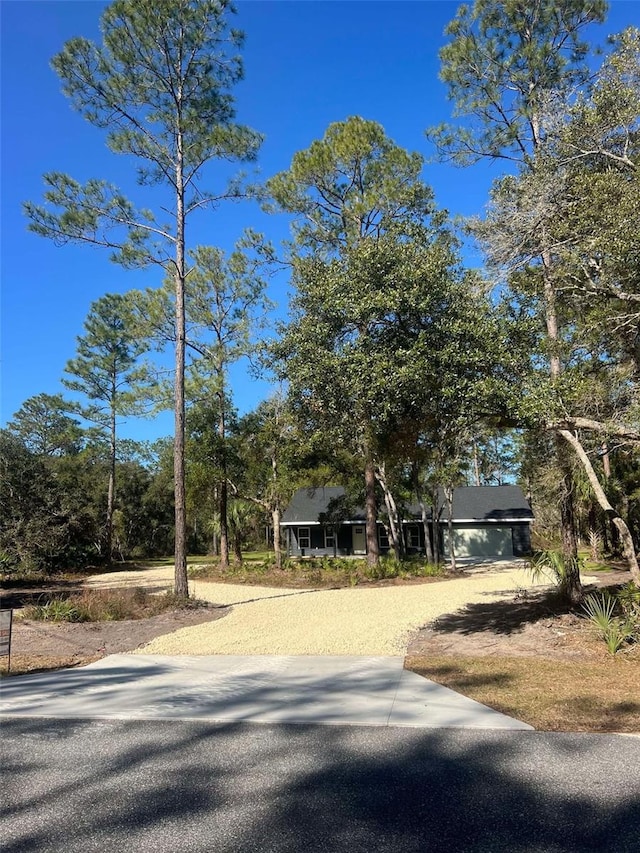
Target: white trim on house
[417,521]
[320,523]
[484,520]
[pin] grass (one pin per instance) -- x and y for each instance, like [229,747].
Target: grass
[101,605]
[550,695]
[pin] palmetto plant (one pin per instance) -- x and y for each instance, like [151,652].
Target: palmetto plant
[550,565]
[601,610]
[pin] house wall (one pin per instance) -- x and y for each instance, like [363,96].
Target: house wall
[316,547]
[470,540]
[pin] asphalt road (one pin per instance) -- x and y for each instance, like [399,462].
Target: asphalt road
[160,786]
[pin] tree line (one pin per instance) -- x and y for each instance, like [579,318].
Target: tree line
[401,366]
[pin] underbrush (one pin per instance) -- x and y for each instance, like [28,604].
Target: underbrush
[616,616]
[319,571]
[615,613]
[104,605]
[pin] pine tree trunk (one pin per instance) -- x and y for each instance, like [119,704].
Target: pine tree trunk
[428,547]
[223,497]
[476,463]
[572,586]
[237,547]
[275,511]
[435,528]
[111,492]
[181,587]
[395,532]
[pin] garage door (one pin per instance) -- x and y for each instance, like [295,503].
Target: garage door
[481,542]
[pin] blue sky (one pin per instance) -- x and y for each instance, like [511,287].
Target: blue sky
[307,64]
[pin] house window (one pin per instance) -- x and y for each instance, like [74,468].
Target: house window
[383,537]
[413,537]
[329,539]
[304,537]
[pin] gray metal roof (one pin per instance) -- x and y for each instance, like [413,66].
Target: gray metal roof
[489,503]
[470,503]
[308,504]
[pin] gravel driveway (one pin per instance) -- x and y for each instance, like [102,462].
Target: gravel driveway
[267,621]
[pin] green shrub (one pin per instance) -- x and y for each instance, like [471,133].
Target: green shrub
[601,609]
[388,567]
[629,599]
[550,566]
[55,610]
[432,570]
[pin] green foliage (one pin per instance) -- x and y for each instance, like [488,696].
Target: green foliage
[616,631]
[44,425]
[127,86]
[46,523]
[52,509]
[629,600]
[551,565]
[503,59]
[105,369]
[55,610]
[392,350]
[9,564]
[160,85]
[353,183]
[431,570]
[325,572]
[390,567]
[600,610]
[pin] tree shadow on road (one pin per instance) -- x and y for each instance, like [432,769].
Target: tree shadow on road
[159,786]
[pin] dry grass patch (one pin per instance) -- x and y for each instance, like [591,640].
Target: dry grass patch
[550,695]
[27,664]
[103,605]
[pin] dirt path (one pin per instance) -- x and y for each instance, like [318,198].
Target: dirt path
[378,621]
[488,612]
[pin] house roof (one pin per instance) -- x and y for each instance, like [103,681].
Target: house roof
[470,503]
[308,504]
[489,503]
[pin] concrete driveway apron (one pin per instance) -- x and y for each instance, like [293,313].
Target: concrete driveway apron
[339,690]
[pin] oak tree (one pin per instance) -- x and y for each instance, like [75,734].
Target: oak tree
[346,192]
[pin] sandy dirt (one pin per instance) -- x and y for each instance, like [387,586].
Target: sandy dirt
[378,621]
[491,611]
